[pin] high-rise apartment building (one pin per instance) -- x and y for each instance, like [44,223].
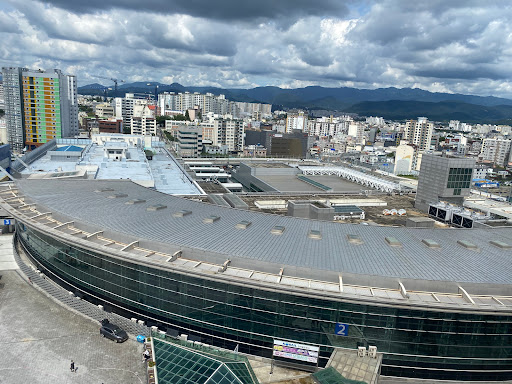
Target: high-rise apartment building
[14,107]
[356,130]
[419,133]
[230,133]
[2,104]
[296,121]
[50,106]
[496,151]
[40,106]
[143,121]
[124,106]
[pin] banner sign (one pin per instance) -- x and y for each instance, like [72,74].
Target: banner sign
[295,351]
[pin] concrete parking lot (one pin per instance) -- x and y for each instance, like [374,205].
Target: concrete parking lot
[38,339]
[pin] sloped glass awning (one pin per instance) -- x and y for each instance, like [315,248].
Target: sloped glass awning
[177,364]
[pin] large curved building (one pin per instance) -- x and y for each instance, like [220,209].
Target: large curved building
[437,303]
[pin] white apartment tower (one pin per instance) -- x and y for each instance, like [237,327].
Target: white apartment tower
[356,130]
[124,106]
[419,133]
[230,133]
[496,150]
[296,121]
[143,121]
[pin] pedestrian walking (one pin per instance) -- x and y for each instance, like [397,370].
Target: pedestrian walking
[72,367]
[145,355]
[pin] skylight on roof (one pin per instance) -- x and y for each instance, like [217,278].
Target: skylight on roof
[467,244]
[500,244]
[104,190]
[182,213]
[211,219]
[354,239]
[277,230]
[393,241]
[431,243]
[243,224]
[117,195]
[315,234]
[135,201]
[156,207]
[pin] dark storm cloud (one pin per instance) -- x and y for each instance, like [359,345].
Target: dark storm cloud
[218,9]
[468,73]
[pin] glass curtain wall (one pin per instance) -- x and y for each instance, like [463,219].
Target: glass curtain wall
[227,314]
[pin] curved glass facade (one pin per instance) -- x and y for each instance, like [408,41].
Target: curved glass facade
[472,346]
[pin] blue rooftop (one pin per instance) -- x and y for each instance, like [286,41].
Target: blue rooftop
[70,148]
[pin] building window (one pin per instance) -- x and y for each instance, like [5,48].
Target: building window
[459,178]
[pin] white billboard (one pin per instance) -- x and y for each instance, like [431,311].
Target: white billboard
[296,351]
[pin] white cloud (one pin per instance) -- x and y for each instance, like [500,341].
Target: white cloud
[459,46]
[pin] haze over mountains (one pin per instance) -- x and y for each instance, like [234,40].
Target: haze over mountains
[390,103]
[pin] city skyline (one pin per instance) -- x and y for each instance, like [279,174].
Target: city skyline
[456,47]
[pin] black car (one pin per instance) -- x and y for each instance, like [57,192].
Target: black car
[113,332]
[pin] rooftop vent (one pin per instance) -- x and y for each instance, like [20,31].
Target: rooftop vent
[467,244]
[104,190]
[243,224]
[354,239]
[393,242]
[135,201]
[315,234]
[500,244]
[182,213]
[211,219]
[277,230]
[156,207]
[117,195]
[431,243]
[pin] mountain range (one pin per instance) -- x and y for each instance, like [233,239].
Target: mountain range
[390,103]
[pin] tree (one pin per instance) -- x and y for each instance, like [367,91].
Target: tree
[169,136]
[160,120]
[85,108]
[187,117]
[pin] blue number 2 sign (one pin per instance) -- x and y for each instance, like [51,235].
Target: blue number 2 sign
[341,329]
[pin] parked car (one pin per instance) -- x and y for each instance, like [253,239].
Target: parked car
[113,332]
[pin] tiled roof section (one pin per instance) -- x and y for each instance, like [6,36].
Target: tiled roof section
[333,252]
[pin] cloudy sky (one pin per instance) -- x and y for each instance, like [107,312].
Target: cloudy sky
[438,45]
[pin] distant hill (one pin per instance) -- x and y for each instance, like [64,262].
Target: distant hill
[442,111]
[392,103]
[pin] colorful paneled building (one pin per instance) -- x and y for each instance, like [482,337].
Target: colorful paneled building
[49,107]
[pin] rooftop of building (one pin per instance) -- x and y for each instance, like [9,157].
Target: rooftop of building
[436,259]
[162,172]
